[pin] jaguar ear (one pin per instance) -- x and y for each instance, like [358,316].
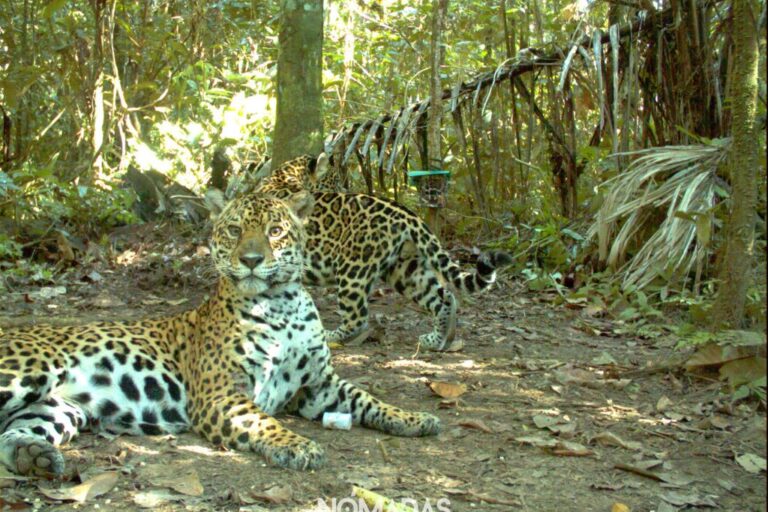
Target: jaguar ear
[301,203]
[215,201]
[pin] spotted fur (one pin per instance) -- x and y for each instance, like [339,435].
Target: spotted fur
[256,347]
[356,239]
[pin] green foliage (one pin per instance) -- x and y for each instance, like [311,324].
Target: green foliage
[9,248]
[755,388]
[39,195]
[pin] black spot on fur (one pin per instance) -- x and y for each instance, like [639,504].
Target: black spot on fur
[82,398]
[126,419]
[31,398]
[108,408]
[173,388]
[105,364]
[101,380]
[129,388]
[152,389]
[149,416]
[151,430]
[172,416]
[5,397]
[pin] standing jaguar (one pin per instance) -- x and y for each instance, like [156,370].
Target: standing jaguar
[356,239]
[256,347]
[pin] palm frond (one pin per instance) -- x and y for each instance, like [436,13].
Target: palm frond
[680,179]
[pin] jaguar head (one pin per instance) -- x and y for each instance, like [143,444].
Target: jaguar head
[258,240]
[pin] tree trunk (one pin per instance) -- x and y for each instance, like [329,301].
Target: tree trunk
[435,113]
[299,120]
[98,122]
[739,236]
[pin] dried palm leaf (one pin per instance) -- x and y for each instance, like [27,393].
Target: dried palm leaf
[353,144]
[680,179]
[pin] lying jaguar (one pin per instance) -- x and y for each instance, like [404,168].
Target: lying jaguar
[356,239]
[256,347]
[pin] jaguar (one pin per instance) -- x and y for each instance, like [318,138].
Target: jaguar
[355,240]
[254,348]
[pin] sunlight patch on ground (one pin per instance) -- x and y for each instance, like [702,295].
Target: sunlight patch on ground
[412,363]
[618,412]
[137,448]
[210,452]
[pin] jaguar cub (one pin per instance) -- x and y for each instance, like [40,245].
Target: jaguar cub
[356,239]
[256,347]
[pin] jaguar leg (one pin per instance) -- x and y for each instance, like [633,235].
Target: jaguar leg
[333,394]
[31,436]
[414,279]
[236,422]
[353,307]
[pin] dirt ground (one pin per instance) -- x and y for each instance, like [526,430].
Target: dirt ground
[546,408]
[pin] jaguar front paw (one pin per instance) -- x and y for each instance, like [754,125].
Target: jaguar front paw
[416,424]
[303,454]
[36,457]
[425,424]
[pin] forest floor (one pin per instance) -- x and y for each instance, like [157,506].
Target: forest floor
[546,408]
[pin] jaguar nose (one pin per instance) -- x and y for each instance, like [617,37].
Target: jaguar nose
[251,260]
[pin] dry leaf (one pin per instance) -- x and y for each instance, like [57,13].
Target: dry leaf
[604,359]
[557,446]
[477,424]
[536,441]
[554,424]
[751,462]
[665,507]
[542,421]
[447,389]
[155,497]
[611,439]
[335,346]
[619,507]
[649,464]
[571,449]
[663,404]
[715,355]
[276,494]
[685,500]
[181,479]
[743,371]
[96,486]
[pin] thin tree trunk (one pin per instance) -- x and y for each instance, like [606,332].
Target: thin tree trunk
[349,58]
[739,238]
[299,120]
[97,96]
[434,153]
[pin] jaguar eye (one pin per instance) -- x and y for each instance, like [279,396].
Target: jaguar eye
[275,231]
[234,230]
